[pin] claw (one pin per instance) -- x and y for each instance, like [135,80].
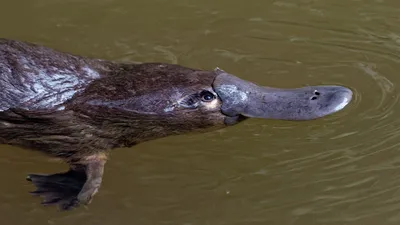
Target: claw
[51,201]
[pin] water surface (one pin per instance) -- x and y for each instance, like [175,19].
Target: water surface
[343,169]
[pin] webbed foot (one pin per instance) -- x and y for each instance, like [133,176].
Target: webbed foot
[60,189]
[70,189]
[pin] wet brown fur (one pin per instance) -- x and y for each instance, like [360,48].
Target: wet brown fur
[78,109]
[90,122]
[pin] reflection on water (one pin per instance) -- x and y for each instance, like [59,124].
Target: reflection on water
[343,169]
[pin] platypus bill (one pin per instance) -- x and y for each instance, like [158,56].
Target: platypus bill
[78,109]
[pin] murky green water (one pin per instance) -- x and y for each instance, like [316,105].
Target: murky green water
[344,169]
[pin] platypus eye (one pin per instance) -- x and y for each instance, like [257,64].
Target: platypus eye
[207,96]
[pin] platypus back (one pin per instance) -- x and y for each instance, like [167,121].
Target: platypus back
[36,77]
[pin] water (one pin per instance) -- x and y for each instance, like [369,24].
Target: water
[343,169]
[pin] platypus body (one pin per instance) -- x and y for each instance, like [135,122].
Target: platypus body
[78,109]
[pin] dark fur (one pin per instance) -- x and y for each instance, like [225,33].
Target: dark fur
[118,109]
[78,109]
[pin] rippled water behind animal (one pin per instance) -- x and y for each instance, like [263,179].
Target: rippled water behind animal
[343,169]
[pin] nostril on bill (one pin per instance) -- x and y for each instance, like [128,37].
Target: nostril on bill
[315,96]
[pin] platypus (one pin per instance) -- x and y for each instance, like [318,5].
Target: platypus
[78,109]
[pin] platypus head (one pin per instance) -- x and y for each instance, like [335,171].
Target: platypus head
[206,98]
[155,100]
